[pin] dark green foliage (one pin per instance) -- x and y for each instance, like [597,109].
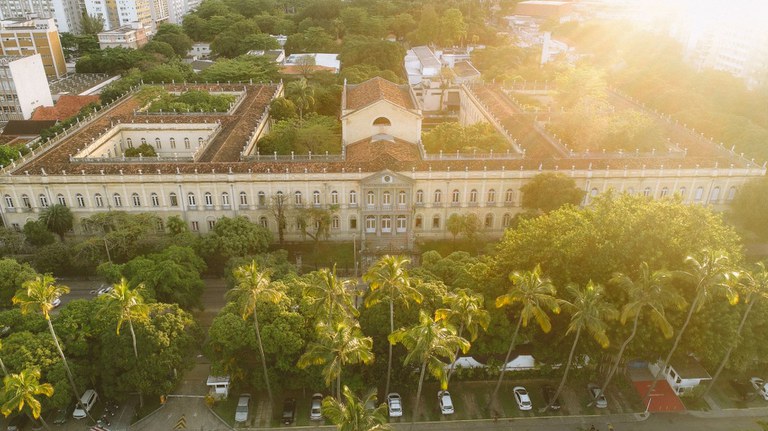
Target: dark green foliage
[363,72]
[37,234]
[233,237]
[549,191]
[112,60]
[144,150]
[452,137]
[379,53]
[317,133]
[193,100]
[163,49]
[282,109]
[171,276]
[116,89]
[312,39]
[57,219]
[174,71]
[240,69]
[12,275]
[12,242]
[77,45]
[174,36]
[749,208]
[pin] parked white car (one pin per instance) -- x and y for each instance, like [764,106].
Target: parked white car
[522,398]
[394,402]
[243,406]
[760,386]
[316,411]
[600,401]
[446,403]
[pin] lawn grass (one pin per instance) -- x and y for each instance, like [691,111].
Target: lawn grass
[150,405]
[226,409]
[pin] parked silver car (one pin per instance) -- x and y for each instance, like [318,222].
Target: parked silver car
[243,406]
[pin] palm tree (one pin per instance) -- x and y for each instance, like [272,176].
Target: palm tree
[58,219]
[130,305]
[711,274]
[338,345]
[352,414]
[651,291]
[329,295]
[466,307]
[590,310]
[253,287]
[21,390]
[755,285]
[388,281]
[303,95]
[427,342]
[535,294]
[38,295]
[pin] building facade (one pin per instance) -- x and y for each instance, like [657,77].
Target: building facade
[131,36]
[22,37]
[383,189]
[23,87]
[66,13]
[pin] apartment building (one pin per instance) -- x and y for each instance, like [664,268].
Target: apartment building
[22,37]
[23,87]
[132,36]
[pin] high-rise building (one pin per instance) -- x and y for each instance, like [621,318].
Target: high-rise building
[23,87]
[151,13]
[67,13]
[34,36]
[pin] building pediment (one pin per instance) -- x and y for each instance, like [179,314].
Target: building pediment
[386,178]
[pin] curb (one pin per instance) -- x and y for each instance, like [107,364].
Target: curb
[152,413]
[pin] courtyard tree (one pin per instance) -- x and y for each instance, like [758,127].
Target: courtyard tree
[352,413]
[465,307]
[389,281]
[253,287]
[428,343]
[590,311]
[302,95]
[278,207]
[650,290]
[536,296]
[233,237]
[549,191]
[21,390]
[330,296]
[58,219]
[338,345]
[172,276]
[711,273]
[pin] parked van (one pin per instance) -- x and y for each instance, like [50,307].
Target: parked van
[86,403]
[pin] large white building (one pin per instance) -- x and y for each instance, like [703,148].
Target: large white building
[151,13]
[67,13]
[383,189]
[23,87]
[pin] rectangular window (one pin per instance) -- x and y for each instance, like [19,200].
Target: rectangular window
[436,222]
[353,223]
[211,224]
[195,227]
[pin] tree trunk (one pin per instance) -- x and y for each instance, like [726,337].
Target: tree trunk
[565,374]
[45,424]
[506,361]
[71,378]
[455,356]
[263,358]
[2,365]
[730,348]
[391,330]
[674,347]
[136,354]
[418,393]
[619,355]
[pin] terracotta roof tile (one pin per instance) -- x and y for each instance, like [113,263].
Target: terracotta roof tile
[375,89]
[67,106]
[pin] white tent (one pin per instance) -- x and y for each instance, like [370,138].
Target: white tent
[466,362]
[522,362]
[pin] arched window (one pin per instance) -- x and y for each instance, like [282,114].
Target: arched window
[225,199]
[129,142]
[8,201]
[386,223]
[664,192]
[316,198]
[186,143]
[473,196]
[99,200]
[244,198]
[173,143]
[63,201]
[155,199]
[370,199]
[191,199]
[136,200]
[263,222]
[353,223]
[334,197]
[370,224]
[506,220]
[353,197]
[143,141]
[386,198]
[401,197]
[158,145]
[335,223]
[174,200]
[682,192]
[714,195]
[43,201]
[25,201]
[208,199]
[594,192]
[698,194]
[455,196]
[118,200]
[438,196]
[647,191]
[382,121]
[401,223]
[419,222]
[297,198]
[509,196]
[420,197]
[199,141]
[489,221]
[436,222]
[731,194]
[80,200]
[491,196]
[262,198]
